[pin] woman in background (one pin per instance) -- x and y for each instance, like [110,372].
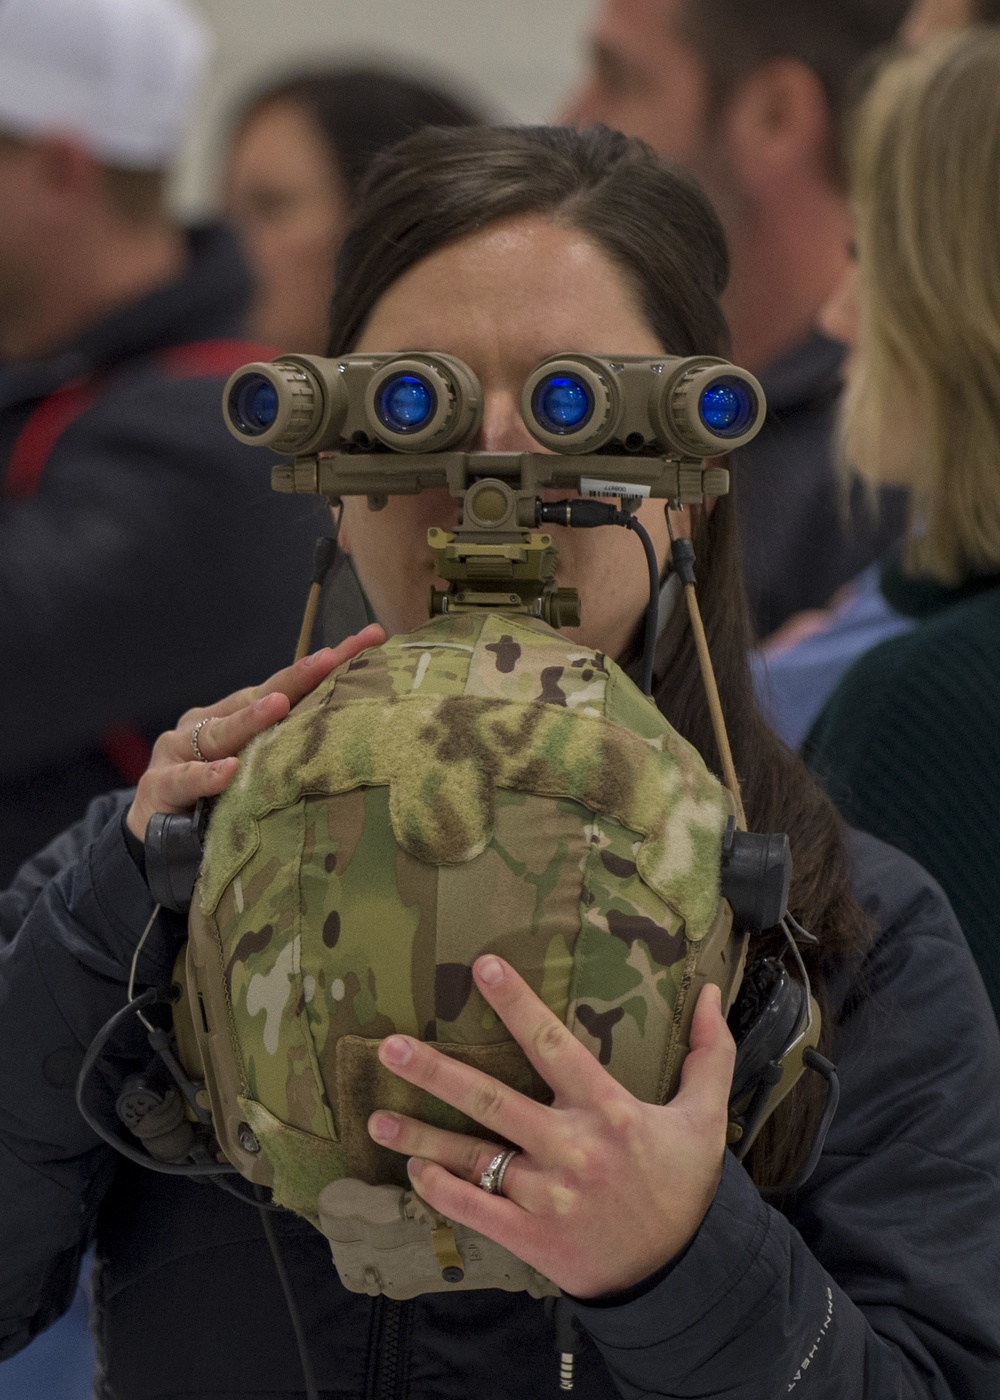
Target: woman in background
[909,744]
[300,150]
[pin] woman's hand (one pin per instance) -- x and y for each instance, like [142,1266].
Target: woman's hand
[175,779]
[605,1189]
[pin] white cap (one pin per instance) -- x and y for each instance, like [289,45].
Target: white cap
[120,75]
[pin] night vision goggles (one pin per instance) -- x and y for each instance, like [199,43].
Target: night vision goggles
[697,406]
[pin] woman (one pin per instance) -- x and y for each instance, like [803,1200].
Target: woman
[299,151]
[909,744]
[502,247]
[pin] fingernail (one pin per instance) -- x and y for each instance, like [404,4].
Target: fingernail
[259,706]
[490,971]
[222,765]
[384,1126]
[415,1168]
[397,1050]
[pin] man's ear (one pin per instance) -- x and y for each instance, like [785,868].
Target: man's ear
[69,176]
[778,125]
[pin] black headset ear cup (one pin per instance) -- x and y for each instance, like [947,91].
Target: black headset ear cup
[173,849]
[769,1008]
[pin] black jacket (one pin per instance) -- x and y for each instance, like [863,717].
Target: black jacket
[151,567]
[880,1280]
[801,540]
[936,801]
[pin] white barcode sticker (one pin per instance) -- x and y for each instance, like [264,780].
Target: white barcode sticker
[592,487]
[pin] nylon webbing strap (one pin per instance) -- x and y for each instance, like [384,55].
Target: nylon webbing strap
[38,438]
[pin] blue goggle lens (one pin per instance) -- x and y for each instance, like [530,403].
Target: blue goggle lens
[562,404]
[406,403]
[253,405]
[728,407]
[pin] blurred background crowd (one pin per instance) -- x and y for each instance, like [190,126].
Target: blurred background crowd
[174,181]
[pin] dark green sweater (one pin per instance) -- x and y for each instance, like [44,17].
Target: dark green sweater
[909,748]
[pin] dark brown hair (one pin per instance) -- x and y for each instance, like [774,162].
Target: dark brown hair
[361,111]
[832,37]
[655,224]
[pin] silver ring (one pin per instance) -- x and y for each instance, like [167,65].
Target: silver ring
[492,1178]
[195,746]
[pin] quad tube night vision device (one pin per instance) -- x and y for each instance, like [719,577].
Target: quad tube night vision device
[625,426]
[573,404]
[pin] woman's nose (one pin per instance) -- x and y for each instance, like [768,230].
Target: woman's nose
[503,428]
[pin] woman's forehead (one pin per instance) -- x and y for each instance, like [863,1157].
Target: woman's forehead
[514,292]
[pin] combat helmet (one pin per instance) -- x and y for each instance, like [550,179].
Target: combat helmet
[480,785]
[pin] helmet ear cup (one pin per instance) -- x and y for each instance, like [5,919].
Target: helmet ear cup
[776,1025]
[173,849]
[769,1008]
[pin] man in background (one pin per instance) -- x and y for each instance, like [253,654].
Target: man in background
[930,17]
[144,562]
[751,95]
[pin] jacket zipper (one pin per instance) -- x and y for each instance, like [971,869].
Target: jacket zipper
[390,1330]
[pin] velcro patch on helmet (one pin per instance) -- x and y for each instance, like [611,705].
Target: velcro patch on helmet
[443,756]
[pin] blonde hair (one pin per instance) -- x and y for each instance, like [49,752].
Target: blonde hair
[924,391]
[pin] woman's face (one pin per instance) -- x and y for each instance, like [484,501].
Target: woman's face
[502,300]
[285,198]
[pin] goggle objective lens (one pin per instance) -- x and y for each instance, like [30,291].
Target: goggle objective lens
[728,407]
[406,403]
[253,405]
[562,404]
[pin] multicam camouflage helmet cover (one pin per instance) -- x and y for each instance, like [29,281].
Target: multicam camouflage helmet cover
[480,785]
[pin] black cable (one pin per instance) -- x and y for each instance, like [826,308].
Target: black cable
[308,1374]
[247,1200]
[821,1065]
[589,515]
[652,607]
[214,1172]
[94,1052]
